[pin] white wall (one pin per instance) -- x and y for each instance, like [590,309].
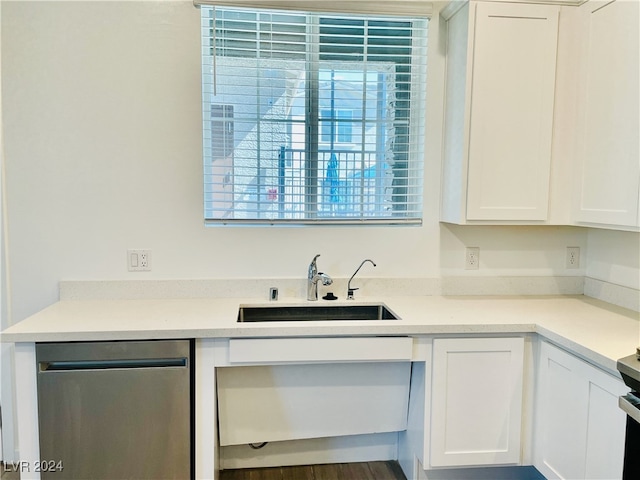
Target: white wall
[103,133]
[504,250]
[614,257]
[102,118]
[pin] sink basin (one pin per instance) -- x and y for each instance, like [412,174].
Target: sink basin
[308,313]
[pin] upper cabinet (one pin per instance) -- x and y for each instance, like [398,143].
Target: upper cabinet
[499,107]
[607,179]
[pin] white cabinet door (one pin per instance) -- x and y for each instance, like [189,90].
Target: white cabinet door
[511,122]
[605,427]
[578,427]
[500,83]
[476,411]
[560,438]
[608,163]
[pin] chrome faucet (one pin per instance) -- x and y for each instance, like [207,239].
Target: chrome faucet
[312,280]
[351,290]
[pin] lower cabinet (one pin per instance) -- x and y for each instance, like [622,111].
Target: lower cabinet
[476,401]
[578,428]
[452,403]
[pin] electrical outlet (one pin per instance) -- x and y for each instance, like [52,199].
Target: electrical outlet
[472,258]
[139,260]
[573,257]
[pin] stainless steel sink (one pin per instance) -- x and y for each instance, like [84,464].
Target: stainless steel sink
[319,313]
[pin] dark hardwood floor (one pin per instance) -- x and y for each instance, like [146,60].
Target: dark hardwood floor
[389,470]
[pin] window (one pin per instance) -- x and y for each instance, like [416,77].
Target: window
[335,130]
[312,118]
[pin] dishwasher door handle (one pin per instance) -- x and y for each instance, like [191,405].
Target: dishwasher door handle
[75,365]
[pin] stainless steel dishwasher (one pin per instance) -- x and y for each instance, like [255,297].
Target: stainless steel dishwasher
[116,410]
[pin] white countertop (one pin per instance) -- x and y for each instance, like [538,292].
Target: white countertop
[597,331]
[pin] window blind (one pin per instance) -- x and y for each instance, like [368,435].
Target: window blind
[312,117]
